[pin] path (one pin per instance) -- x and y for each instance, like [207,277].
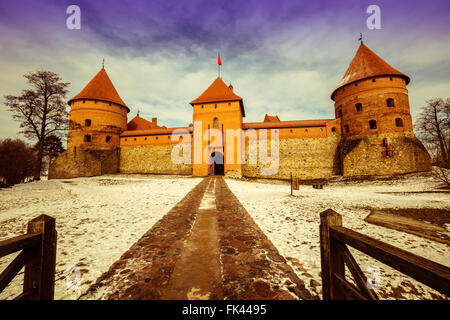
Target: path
[206,247]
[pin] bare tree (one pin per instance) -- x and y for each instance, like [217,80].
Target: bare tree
[41,110]
[433,128]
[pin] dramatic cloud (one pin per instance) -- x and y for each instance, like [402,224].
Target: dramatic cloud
[282,57]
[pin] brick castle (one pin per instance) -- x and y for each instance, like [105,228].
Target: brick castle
[372,133]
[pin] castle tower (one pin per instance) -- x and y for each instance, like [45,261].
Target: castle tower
[377,131]
[97,115]
[217,110]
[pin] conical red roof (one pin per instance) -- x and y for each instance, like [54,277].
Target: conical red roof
[218,91]
[138,123]
[367,64]
[100,88]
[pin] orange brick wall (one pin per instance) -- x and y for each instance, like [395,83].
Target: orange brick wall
[161,139]
[230,117]
[107,119]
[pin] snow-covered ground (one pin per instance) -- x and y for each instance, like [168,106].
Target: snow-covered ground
[292,224]
[97,220]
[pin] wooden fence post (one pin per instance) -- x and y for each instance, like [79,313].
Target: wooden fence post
[39,275]
[331,261]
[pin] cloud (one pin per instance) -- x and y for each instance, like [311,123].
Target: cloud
[282,57]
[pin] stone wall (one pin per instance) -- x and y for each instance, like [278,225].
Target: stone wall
[306,159]
[151,159]
[84,162]
[368,155]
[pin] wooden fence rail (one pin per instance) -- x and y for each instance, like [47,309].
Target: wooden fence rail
[335,255]
[38,255]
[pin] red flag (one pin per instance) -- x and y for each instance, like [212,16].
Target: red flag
[218,60]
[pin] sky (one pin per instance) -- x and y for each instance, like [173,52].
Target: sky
[282,57]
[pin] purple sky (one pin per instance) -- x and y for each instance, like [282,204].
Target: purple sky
[282,57]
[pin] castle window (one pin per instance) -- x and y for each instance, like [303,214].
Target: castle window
[340,113]
[321,129]
[390,78]
[356,84]
[202,106]
[134,139]
[126,139]
[390,102]
[215,123]
[84,101]
[109,103]
[399,122]
[373,80]
[87,122]
[229,103]
[385,142]
[306,130]
[168,137]
[156,138]
[346,129]
[145,138]
[358,107]
[95,101]
[87,138]
[108,139]
[333,129]
[290,131]
[372,124]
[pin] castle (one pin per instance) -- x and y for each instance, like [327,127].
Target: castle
[371,134]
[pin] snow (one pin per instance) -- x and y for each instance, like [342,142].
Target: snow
[292,223]
[97,220]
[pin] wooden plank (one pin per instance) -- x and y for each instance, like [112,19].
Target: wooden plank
[430,273]
[40,269]
[12,269]
[14,244]
[357,273]
[348,291]
[25,295]
[328,218]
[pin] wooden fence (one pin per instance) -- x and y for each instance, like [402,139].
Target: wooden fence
[335,255]
[38,255]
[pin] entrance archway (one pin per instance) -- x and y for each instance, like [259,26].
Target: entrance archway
[217,158]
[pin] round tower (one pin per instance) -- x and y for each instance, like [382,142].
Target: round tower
[97,115]
[372,104]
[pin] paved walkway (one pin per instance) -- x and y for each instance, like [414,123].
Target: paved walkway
[206,247]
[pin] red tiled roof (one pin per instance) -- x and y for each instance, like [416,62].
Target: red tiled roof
[138,123]
[286,124]
[367,64]
[268,118]
[151,132]
[218,91]
[100,88]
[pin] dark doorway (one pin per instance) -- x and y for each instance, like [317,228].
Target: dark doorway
[217,159]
